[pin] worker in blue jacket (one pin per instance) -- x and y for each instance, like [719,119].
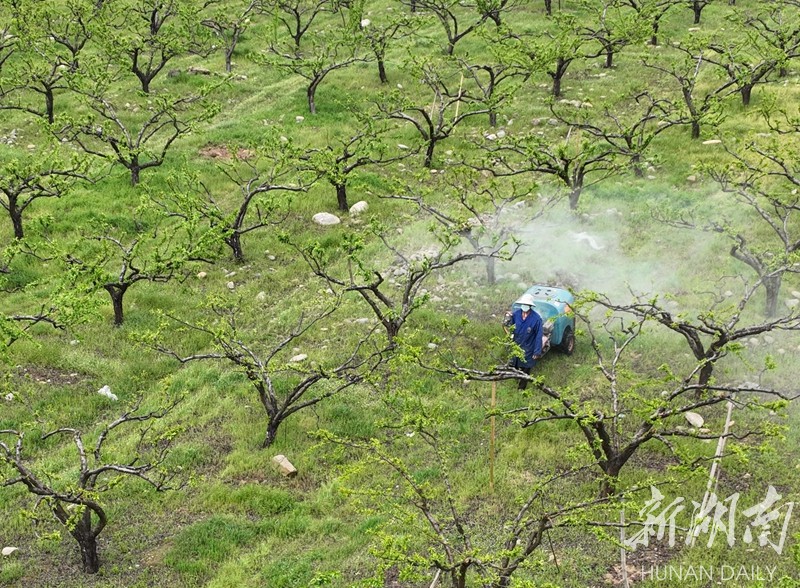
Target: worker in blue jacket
[526,329]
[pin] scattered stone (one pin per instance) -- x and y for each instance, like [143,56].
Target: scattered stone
[271,257]
[230,274]
[359,207]
[536,122]
[284,466]
[299,357]
[9,397]
[299,118]
[728,293]
[432,346]
[501,133]
[261,296]
[552,122]
[712,142]
[401,146]
[326,219]
[362,321]
[694,419]
[768,339]
[231,285]
[691,179]
[106,391]
[74,342]
[491,137]
[201,275]
[9,550]
[173,73]
[365,22]
[200,71]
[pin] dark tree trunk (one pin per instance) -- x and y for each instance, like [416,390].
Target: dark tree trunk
[228,58]
[382,71]
[117,293]
[16,219]
[234,241]
[574,197]
[609,59]
[135,170]
[746,91]
[311,93]
[636,165]
[341,196]
[654,35]
[429,152]
[608,486]
[49,101]
[493,118]
[773,287]
[490,270]
[697,8]
[87,542]
[695,129]
[548,7]
[272,431]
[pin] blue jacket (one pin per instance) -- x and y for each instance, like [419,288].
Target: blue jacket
[528,335]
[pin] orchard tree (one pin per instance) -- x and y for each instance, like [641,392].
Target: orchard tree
[74,496]
[457,19]
[555,50]
[575,160]
[137,136]
[147,34]
[339,161]
[446,106]
[264,175]
[763,180]
[296,16]
[384,30]
[651,12]
[702,106]
[261,351]
[628,127]
[697,7]
[392,293]
[229,22]
[47,45]
[326,50]
[36,176]
[613,27]
[484,211]
[427,531]
[113,260]
[756,52]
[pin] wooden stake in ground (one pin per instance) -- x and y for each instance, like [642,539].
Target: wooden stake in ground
[491,439]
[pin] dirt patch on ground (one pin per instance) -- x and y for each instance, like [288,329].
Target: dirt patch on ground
[52,376]
[223,153]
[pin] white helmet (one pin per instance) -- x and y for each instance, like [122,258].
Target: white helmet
[526,299]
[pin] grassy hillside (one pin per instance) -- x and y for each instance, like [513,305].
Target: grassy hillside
[394,460]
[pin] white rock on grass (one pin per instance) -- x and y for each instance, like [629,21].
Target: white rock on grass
[201,275]
[230,285]
[694,419]
[9,397]
[106,391]
[359,207]
[9,550]
[298,358]
[261,296]
[712,142]
[326,219]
